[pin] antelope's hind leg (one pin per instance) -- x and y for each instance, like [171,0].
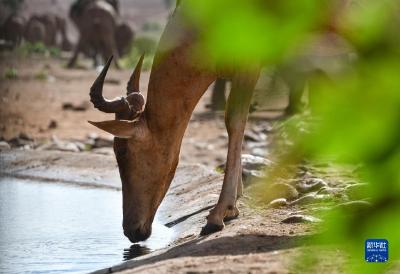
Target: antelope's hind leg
[237,110]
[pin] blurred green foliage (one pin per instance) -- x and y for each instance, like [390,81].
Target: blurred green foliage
[42,75]
[11,73]
[37,48]
[141,45]
[357,111]
[151,26]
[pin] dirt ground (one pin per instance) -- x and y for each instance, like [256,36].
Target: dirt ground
[45,135]
[39,103]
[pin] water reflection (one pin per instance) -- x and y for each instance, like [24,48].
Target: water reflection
[134,251]
[48,228]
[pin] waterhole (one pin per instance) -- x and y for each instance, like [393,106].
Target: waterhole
[56,228]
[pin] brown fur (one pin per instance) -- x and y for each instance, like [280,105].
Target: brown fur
[147,160]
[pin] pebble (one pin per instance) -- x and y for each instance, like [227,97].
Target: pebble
[4,145]
[310,199]
[53,124]
[78,107]
[300,219]
[261,152]
[310,185]
[252,162]
[22,140]
[252,176]
[278,203]
[254,137]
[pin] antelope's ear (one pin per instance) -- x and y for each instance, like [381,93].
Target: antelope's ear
[118,128]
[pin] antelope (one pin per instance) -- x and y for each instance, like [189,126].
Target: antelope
[148,135]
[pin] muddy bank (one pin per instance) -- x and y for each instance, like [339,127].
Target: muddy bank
[257,237]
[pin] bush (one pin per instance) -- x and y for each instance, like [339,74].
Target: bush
[11,73]
[141,45]
[151,26]
[38,48]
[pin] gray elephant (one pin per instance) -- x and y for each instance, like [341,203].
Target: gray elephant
[47,28]
[12,30]
[96,21]
[124,35]
[35,31]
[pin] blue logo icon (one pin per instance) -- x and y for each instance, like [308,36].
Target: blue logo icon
[376,250]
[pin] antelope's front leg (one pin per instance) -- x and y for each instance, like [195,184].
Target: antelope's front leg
[235,120]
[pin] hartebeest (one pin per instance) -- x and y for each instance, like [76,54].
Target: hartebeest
[148,139]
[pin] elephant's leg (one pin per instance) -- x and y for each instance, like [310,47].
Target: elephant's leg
[110,48]
[78,49]
[236,116]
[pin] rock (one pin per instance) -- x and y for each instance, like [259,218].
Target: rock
[103,142]
[70,106]
[354,206]
[278,203]
[251,176]
[4,145]
[22,140]
[103,151]
[357,191]
[310,185]
[254,137]
[57,144]
[261,152]
[252,162]
[92,135]
[251,145]
[300,219]
[203,146]
[310,199]
[280,190]
[24,136]
[52,125]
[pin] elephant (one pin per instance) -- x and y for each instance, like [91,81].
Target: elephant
[35,31]
[47,28]
[123,36]
[96,21]
[12,30]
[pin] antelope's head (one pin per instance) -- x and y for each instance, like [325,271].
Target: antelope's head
[144,168]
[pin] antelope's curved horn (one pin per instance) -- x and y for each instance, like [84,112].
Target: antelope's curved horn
[96,95]
[133,83]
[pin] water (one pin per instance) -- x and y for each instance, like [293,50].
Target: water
[56,228]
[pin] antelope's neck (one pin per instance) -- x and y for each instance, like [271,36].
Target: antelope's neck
[175,87]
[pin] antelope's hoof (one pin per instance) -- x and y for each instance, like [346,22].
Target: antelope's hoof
[231,213]
[210,228]
[230,218]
